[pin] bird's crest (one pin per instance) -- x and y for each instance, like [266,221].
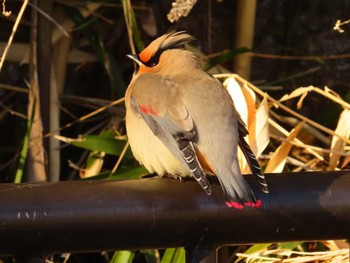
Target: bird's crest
[150,55]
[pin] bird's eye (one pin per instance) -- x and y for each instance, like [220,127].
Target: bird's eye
[151,63]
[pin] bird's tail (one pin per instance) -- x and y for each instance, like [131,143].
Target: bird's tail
[236,189]
[253,164]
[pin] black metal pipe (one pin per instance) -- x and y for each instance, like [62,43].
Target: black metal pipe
[81,216]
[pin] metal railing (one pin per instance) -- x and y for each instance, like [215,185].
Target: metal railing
[85,216]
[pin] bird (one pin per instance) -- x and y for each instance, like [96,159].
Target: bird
[181,121]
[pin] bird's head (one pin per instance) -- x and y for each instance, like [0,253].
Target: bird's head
[163,53]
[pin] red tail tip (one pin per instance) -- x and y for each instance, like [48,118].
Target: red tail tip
[257,204]
[231,204]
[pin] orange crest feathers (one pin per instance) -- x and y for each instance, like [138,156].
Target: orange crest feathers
[168,41]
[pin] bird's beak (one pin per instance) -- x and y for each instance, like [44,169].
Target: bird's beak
[137,62]
[135,58]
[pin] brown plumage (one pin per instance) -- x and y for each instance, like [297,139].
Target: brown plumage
[182,122]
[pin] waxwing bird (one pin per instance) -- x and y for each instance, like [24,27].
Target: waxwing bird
[181,121]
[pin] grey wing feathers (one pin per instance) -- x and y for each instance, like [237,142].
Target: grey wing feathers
[250,157]
[180,145]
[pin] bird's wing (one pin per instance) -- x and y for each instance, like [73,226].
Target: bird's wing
[159,102]
[250,157]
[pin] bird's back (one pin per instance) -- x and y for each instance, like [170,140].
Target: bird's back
[213,114]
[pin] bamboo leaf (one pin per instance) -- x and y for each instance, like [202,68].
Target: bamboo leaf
[337,145]
[168,255]
[296,93]
[278,159]
[139,44]
[260,129]
[241,105]
[238,97]
[174,255]
[93,165]
[289,245]
[98,143]
[130,173]
[250,99]
[124,256]
[131,24]
[24,151]
[179,256]
[255,249]
[125,173]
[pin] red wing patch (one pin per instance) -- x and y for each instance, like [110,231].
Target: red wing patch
[148,110]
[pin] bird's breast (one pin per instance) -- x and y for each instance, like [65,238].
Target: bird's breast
[148,149]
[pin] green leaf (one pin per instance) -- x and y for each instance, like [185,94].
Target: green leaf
[99,143]
[256,248]
[139,44]
[136,33]
[135,172]
[289,245]
[124,256]
[130,173]
[228,55]
[180,256]
[174,255]
[168,255]
[24,151]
